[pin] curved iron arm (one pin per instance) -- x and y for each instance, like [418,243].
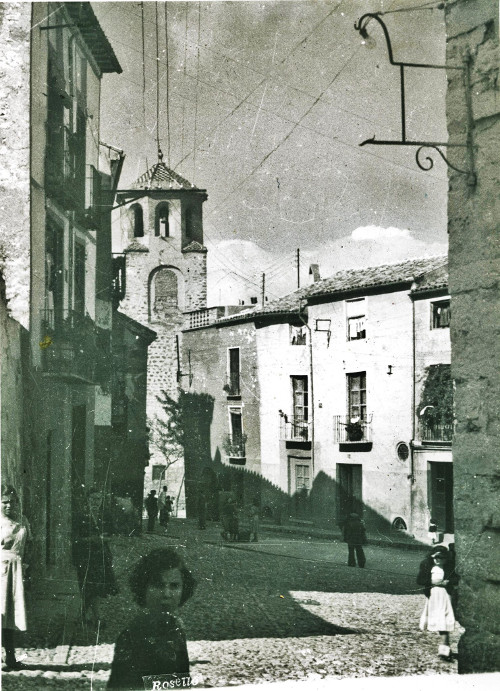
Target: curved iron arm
[429,163]
[363,23]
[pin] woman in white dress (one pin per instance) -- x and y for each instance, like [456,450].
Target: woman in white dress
[437,575]
[15,533]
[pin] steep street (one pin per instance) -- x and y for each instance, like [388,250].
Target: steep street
[286,608]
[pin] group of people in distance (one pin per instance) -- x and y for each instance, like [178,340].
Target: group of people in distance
[161,505]
[153,644]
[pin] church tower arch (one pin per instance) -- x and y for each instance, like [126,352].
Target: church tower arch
[166,293]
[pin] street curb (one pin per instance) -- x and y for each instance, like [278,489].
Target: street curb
[318,532]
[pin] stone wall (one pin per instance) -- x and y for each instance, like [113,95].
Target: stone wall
[474,267]
[14,151]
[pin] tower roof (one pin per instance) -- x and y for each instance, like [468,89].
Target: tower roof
[161,177]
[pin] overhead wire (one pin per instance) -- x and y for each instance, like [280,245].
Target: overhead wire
[184,74]
[143,67]
[157,82]
[281,116]
[195,144]
[168,85]
[287,136]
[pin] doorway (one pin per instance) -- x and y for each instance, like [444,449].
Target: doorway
[440,477]
[349,490]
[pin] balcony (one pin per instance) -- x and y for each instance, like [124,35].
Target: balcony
[433,433]
[234,448]
[232,385]
[294,428]
[349,431]
[68,343]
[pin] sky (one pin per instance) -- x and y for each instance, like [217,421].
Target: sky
[264,104]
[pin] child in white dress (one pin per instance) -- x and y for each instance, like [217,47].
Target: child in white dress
[439,579]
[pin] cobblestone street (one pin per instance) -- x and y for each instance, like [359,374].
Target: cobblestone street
[287,608]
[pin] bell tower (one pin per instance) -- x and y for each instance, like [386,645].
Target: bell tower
[159,233]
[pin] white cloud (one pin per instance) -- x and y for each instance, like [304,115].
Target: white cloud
[379,233]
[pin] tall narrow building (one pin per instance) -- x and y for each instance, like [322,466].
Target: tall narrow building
[159,233]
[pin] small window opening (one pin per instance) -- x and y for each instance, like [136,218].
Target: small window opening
[162,228]
[138,221]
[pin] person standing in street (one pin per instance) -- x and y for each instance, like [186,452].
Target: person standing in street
[355,536]
[151,505]
[254,521]
[15,533]
[438,577]
[162,500]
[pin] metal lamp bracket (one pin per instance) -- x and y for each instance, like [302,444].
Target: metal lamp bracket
[424,163]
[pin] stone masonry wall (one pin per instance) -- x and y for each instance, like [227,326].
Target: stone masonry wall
[15,18]
[474,268]
[196,280]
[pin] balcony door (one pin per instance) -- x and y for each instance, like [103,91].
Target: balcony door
[234,371]
[356,391]
[54,273]
[236,425]
[300,396]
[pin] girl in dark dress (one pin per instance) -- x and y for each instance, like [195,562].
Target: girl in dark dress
[153,644]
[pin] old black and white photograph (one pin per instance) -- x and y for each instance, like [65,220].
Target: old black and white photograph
[249,333]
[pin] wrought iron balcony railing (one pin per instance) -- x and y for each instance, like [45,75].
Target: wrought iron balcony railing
[234,446]
[294,428]
[347,430]
[68,344]
[433,432]
[232,385]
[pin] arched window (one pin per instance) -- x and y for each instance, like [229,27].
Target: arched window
[161,220]
[138,220]
[165,293]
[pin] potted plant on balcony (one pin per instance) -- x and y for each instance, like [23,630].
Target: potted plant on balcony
[234,447]
[354,430]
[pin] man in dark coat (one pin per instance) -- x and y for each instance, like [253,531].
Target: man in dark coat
[355,536]
[151,505]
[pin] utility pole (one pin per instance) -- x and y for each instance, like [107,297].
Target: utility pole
[263,289]
[298,268]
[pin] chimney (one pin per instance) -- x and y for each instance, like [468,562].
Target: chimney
[314,272]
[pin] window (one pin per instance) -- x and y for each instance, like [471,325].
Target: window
[233,383]
[356,319]
[162,220]
[138,220]
[165,293]
[79,279]
[158,473]
[302,477]
[300,416]
[356,391]
[440,314]
[298,335]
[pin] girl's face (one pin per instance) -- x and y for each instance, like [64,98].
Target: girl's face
[8,507]
[165,596]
